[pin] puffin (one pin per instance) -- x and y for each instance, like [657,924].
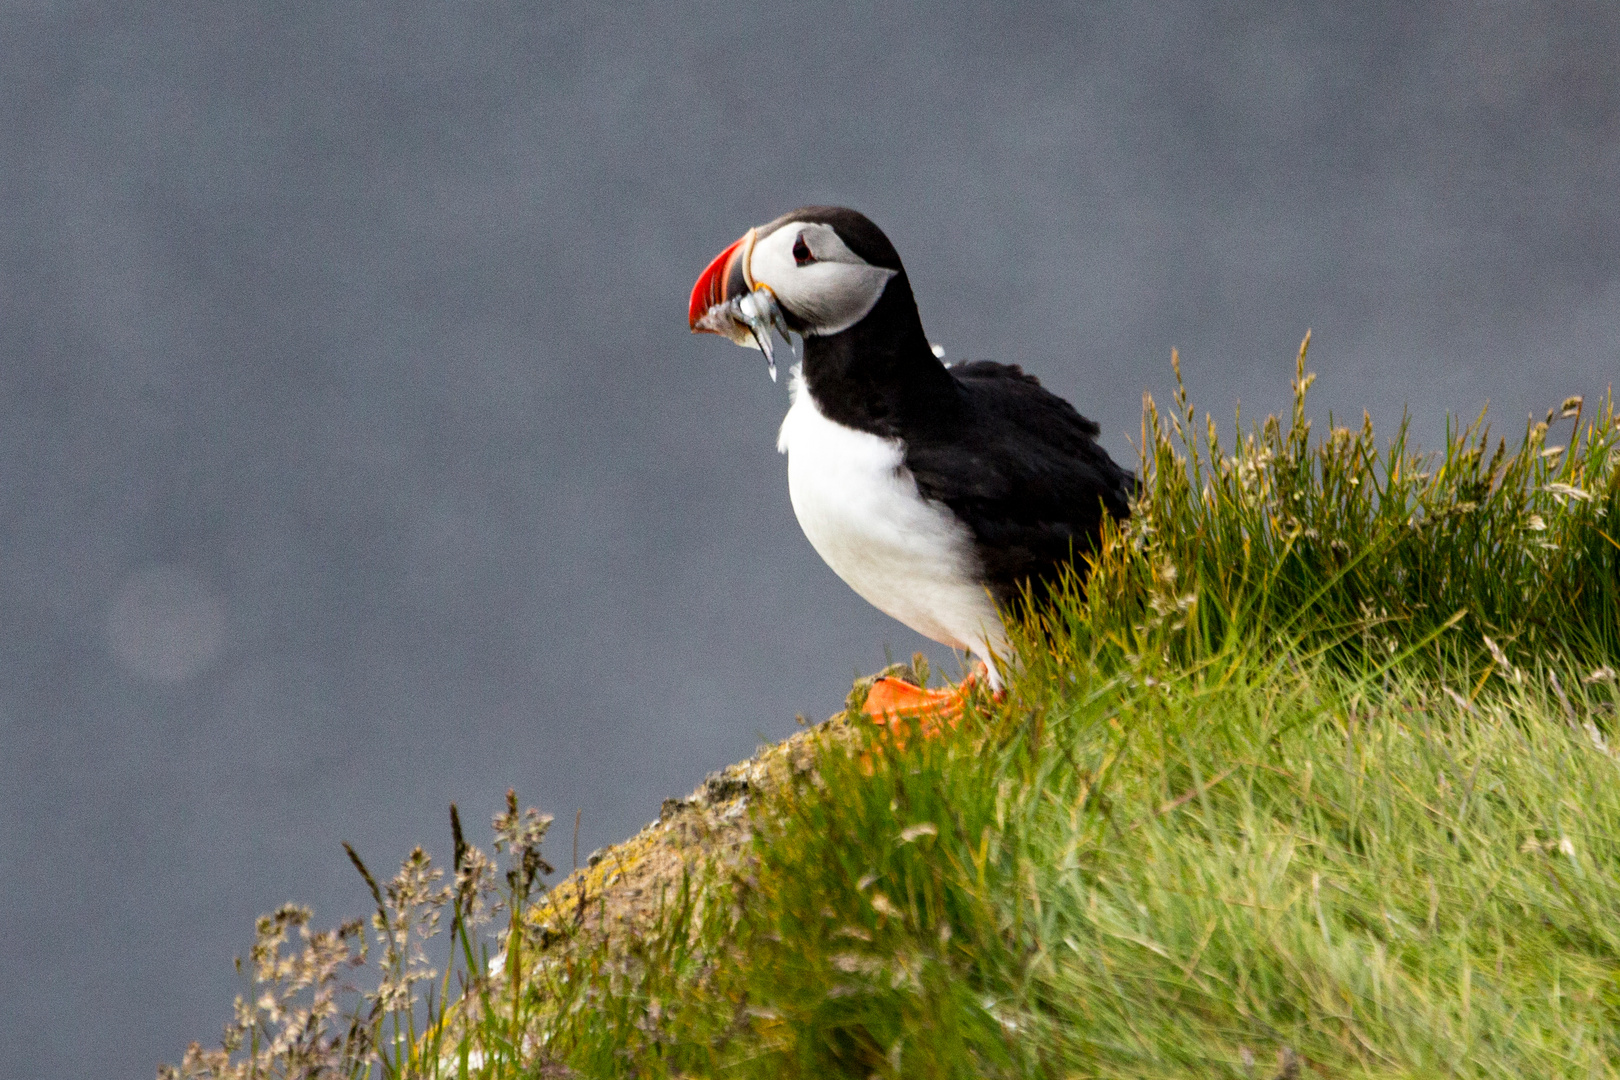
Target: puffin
[942,494]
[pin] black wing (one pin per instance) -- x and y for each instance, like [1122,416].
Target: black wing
[1024,471]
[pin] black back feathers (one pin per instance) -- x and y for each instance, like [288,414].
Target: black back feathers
[1023,471]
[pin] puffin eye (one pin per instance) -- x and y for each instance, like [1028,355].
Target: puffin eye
[801,252]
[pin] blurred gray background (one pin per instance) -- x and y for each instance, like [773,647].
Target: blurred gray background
[355,457]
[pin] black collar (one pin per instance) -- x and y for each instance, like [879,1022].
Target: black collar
[880,375]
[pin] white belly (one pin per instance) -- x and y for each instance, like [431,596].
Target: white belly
[862,512]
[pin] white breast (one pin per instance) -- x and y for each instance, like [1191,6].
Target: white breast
[861,510]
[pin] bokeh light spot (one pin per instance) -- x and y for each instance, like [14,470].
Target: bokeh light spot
[166,625]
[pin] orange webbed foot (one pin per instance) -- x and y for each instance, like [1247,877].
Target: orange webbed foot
[896,704]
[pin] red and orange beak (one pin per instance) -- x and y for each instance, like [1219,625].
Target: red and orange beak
[725,278]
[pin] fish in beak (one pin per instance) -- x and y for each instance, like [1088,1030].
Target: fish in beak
[727,301]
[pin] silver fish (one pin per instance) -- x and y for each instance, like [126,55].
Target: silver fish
[749,320]
[762,315]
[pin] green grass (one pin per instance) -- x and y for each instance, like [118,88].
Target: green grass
[1333,542]
[1314,778]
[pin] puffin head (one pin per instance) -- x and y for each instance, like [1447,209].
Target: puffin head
[816,271]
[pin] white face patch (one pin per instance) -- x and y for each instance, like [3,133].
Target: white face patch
[831,292]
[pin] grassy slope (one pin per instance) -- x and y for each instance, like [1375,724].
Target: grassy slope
[1312,781]
[1315,779]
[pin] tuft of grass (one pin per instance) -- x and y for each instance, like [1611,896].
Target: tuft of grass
[1313,775]
[301,1017]
[1335,543]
